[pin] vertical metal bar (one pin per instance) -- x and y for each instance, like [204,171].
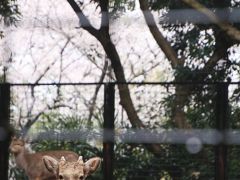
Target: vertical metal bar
[4,129]
[108,134]
[221,125]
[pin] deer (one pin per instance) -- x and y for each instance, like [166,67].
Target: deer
[32,163]
[66,170]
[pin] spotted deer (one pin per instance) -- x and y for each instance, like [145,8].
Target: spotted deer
[32,163]
[66,170]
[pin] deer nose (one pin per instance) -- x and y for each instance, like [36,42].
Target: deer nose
[81,178]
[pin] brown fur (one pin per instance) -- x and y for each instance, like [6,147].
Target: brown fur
[32,163]
[66,170]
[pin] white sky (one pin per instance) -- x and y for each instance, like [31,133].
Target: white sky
[34,46]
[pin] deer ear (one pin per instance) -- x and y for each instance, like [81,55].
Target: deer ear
[80,159]
[51,164]
[92,164]
[63,159]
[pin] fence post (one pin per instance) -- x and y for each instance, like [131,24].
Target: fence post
[108,133]
[4,129]
[221,125]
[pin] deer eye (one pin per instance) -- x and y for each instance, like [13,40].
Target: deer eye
[81,178]
[60,177]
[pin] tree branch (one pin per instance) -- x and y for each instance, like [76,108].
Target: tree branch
[105,16]
[83,20]
[217,55]
[226,27]
[158,36]
[93,102]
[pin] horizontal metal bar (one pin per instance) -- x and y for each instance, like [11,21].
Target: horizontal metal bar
[173,136]
[124,83]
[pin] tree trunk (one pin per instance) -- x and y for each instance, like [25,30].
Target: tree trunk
[181,96]
[125,98]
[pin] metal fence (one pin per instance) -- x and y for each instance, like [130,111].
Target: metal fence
[219,138]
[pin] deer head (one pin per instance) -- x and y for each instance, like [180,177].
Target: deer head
[17,144]
[65,170]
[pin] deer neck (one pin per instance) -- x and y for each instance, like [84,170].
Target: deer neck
[21,158]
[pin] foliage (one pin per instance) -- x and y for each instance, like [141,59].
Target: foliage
[121,5]
[9,11]
[195,43]
[134,161]
[15,173]
[233,163]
